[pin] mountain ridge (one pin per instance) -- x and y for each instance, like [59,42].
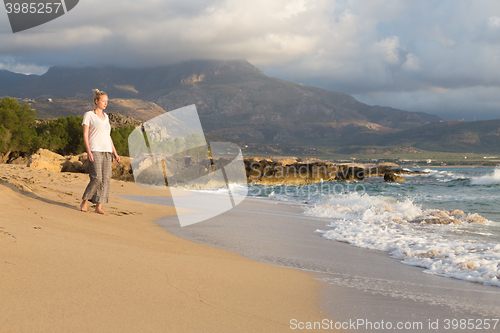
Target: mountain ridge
[185,82]
[237,102]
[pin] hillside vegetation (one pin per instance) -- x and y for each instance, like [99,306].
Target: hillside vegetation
[21,134]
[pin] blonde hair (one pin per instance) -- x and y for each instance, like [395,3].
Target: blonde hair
[97,95]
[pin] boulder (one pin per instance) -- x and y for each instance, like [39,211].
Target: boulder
[350,172]
[19,160]
[122,170]
[269,172]
[77,163]
[46,160]
[392,177]
[388,164]
[4,158]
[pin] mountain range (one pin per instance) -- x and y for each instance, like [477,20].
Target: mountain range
[238,102]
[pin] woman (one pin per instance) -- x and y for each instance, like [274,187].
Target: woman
[100,151]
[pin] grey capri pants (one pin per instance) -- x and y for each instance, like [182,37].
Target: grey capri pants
[97,190]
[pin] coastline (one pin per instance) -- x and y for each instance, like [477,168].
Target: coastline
[66,270]
[451,166]
[357,283]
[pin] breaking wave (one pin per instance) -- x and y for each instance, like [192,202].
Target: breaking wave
[416,236]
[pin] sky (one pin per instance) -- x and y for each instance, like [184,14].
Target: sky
[440,57]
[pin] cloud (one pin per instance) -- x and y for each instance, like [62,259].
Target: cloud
[388,49]
[412,63]
[381,47]
[10,64]
[68,38]
[437,34]
[494,22]
[467,103]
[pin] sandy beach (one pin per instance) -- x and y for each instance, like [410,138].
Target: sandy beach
[64,270]
[255,268]
[359,285]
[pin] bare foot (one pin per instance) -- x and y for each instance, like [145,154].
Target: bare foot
[83,206]
[100,211]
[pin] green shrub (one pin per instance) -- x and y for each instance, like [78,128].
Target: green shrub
[17,127]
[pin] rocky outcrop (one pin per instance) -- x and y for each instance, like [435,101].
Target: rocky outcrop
[117,120]
[122,170]
[264,171]
[193,79]
[47,160]
[392,177]
[388,164]
[78,163]
[19,160]
[268,171]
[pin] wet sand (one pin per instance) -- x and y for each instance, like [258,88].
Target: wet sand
[358,284]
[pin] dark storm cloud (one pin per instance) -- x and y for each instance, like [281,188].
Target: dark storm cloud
[435,56]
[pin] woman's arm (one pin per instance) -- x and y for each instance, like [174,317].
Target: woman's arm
[86,142]
[115,154]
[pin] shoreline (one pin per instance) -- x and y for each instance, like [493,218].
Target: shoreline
[452,166]
[218,271]
[66,270]
[357,282]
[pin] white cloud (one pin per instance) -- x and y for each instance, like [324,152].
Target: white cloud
[494,22]
[292,9]
[10,64]
[389,49]
[447,103]
[412,63]
[437,34]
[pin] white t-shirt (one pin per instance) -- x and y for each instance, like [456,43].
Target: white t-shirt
[99,132]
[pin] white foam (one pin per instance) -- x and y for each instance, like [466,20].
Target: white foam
[236,189]
[383,223]
[488,179]
[443,176]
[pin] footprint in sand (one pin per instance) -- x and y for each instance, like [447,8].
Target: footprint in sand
[7,234]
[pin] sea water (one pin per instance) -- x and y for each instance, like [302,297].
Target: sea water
[446,221]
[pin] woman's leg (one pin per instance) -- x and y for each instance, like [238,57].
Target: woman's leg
[106,171]
[94,187]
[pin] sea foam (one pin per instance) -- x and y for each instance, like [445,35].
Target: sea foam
[411,234]
[492,179]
